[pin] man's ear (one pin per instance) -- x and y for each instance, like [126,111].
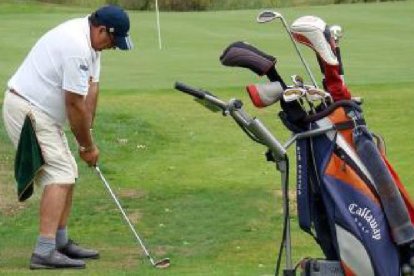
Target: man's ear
[102,29]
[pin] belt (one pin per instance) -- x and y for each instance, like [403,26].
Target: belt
[11,90]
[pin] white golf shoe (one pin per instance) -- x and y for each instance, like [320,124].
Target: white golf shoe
[310,30]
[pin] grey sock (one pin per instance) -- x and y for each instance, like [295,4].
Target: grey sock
[44,246]
[61,237]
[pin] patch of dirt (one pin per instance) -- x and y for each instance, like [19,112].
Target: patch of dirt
[161,250]
[134,216]
[9,206]
[132,193]
[125,257]
[129,257]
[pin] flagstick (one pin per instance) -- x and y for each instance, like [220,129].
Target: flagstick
[158,24]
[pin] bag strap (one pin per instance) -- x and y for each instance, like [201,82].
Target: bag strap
[351,124]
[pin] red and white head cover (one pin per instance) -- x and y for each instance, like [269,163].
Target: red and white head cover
[309,30]
[263,95]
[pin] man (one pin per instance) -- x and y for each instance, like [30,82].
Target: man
[58,82]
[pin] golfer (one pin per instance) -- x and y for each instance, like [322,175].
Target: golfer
[57,84]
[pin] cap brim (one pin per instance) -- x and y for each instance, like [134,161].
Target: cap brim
[123,42]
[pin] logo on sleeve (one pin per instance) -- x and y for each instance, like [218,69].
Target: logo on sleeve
[83,67]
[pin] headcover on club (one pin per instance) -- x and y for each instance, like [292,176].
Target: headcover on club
[313,32]
[263,95]
[242,54]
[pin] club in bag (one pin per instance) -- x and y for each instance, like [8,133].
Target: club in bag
[315,94]
[263,95]
[293,94]
[164,263]
[297,81]
[267,16]
[337,33]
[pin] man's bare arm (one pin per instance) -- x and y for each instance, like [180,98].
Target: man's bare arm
[92,101]
[80,121]
[79,118]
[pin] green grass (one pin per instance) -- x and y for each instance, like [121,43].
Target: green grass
[197,189]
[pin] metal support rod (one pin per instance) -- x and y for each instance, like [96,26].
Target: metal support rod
[282,167]
[306,134]
[260,131]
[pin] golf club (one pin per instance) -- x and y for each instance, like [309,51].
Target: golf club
[315,94]
[267,16]
[297,81]
[337,33]
[164,263]
[293,94]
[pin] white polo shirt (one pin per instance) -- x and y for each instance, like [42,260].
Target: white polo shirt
[62,59]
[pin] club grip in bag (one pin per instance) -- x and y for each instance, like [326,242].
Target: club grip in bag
[189,90]
[339,57]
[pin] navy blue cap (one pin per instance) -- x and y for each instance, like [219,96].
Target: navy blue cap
[116,20]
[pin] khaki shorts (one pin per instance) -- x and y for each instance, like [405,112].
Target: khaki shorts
[60,165]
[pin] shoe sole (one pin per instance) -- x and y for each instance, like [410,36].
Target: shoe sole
[39,266]
[92,258]
[83,258]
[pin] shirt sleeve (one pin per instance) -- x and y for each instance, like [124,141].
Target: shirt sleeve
[96,68]
[76,74]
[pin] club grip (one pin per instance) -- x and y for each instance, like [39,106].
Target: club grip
[341,66]
[198,93]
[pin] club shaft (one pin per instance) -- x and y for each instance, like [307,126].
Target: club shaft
[341,65]
[124,214]
[298,52]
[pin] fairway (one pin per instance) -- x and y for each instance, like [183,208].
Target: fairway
[196,188]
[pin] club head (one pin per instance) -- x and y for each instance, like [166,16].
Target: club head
[293,94]
[315,94]
[336,32]
[267,16]
[164,263]
[297,80]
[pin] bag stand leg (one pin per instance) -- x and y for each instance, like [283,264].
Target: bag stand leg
[283,167]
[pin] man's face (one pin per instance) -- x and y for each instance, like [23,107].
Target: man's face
[102,39]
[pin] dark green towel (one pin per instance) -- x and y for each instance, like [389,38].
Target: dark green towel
[29,160]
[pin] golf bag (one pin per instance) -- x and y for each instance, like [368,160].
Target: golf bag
[339,200]
[337,197]
[345,186]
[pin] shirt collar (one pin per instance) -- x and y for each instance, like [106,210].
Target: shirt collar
[87,32]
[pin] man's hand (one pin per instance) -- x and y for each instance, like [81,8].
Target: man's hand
[89,155]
